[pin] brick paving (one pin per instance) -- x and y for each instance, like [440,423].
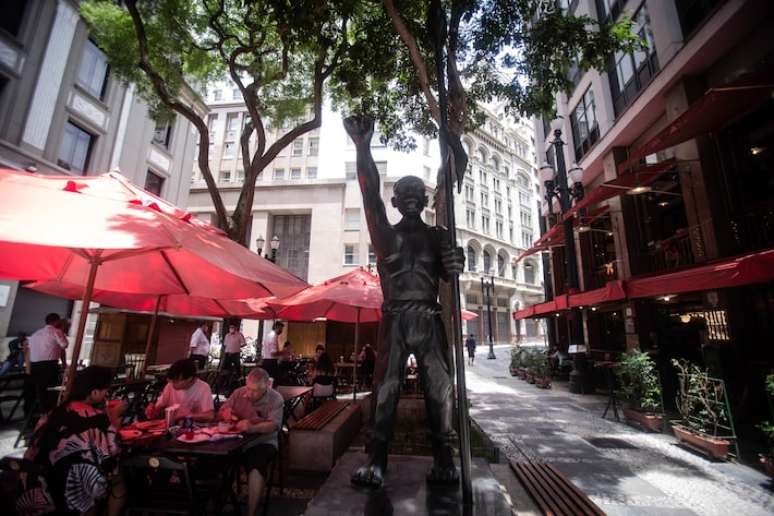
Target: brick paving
[636,473]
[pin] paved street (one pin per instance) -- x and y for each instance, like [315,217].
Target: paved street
[637,473]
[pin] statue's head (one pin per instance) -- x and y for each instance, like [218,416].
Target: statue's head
[410,197]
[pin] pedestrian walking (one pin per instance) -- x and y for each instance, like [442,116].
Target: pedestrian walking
[200,345]
[46,347]
[470,343]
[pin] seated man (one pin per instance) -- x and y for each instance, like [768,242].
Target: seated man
[183,388]
[257,409]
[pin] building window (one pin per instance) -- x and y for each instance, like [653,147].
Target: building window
[583,119]
[529,273]
[240,176]
[485,223]
[311,172]
[498,205]
[314,146]
[426,146]
[350,170]
[162,134]
[236,94]
[298,148]
[496,184]
[526,239]
[482,177]
[371,255]
[522,179]
[93,72]
[350,254]
[526,218]
[295,174]
[211,124]
[218,95]
[631,72]
[514,271]
[524,198]
[469,193]
[224,176]
[470,218]
[154,183]
[426,171]
[499,229]
[471,259]
[232,123]
[351,219]
[487,262]
[510,233]
[13,14]
[501,265]
[278,174]
[228,150]
[484,199]
[75,150]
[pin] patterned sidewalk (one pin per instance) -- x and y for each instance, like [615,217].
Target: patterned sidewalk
[623,470]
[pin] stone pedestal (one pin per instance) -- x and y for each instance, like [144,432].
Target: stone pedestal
[405,491]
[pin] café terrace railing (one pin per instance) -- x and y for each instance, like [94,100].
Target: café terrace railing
[753,230]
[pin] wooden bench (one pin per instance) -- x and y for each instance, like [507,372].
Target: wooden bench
[319,438]
[554,494]
[320,417]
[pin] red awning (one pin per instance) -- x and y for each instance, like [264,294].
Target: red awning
[744,270]
[613,291]
[555,236]
[525,313]
[716,109]
[619,185]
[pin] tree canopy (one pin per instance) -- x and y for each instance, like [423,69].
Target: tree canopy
[376,58]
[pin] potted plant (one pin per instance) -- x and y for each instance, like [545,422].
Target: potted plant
[529,367]
[702,403]
[542,372]
[640,390]
[768,429]
[516,358]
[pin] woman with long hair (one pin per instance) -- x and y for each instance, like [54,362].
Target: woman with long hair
[71,466]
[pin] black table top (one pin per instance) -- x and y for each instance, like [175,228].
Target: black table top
[170,446]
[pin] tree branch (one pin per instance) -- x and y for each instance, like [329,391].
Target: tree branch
[416,57]
[171,102]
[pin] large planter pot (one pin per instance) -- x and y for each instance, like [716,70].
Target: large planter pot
[652,422]
[768,464]
[715,448]
[543,383]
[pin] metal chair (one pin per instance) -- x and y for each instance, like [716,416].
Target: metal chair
[160,485]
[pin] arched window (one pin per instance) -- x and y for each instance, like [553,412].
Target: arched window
[487,262]
[471,259]
[495,163]
[482,155]
[529,273]
[514,271]
[501,265]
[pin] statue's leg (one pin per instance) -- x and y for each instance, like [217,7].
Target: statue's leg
[436,383]
[391,362]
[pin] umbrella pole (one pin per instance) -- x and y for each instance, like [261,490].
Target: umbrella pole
[354,369]
[150,334]
[85,302]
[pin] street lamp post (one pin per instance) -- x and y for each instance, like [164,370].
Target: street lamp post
[274,245]
[487,289]
[556,185]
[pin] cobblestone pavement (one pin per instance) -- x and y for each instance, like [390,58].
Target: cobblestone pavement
[635,474]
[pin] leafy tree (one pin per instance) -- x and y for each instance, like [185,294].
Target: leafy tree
[278,53]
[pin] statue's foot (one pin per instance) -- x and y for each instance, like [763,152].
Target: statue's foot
[368,475]
[443,475]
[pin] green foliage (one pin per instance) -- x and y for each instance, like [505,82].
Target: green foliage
[701,399]
[639,381]
[767,427]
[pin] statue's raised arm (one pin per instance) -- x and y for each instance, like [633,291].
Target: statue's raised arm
[361,130]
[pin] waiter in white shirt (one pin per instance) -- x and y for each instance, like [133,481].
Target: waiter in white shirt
[45,348]
[233,343]
[270,349]
[200,345]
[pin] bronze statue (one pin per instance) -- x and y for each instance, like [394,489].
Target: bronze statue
[411,258]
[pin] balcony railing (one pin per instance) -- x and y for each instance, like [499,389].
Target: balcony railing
[753,230]
[672,253]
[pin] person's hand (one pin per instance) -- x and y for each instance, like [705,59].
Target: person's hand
[453,259]
[150,411]
[242,426]
[225,414]
[360,128]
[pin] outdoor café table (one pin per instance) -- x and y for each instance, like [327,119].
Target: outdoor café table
[5,387]
[222,455]
[608,368]
[158,368]
[292,396]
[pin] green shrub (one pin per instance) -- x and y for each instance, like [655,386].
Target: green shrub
[639,381]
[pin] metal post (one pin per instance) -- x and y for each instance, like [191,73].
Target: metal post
[150,335]
[489,293]
[354,369]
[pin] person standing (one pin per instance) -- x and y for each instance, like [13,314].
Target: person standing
[470,343]
[45,349]
[233,343]
[200,345]
[270,349]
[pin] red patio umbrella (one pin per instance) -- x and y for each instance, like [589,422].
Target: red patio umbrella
[352,297]
[467,315]
[67,229]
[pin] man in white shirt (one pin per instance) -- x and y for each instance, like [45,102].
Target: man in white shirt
[200,345]
[270,350]
[233,343]
[192,395]
[45,349]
